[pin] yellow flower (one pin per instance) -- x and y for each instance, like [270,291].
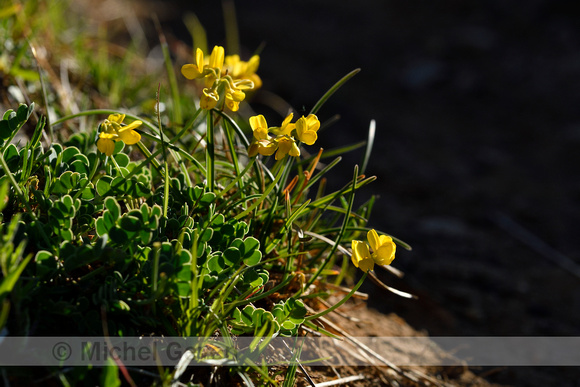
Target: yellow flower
[209,99]
[361,256]
[238,69]
[286,145]
[112,130]
[265,147]
[224,77]
[200,69]
[383,248]
[216,59]
[233,98]
[194,71]
[381,251]
[306,128]
[286,128]
[262,142]
[259,127]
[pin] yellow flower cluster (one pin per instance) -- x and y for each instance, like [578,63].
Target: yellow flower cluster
[227,77]
[113,129]
[381,251]
[283,142]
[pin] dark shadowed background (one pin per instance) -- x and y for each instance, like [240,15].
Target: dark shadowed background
[478,131]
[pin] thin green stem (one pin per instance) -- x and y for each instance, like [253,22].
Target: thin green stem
[209,154]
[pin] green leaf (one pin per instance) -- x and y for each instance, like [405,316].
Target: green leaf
[69,154]
[113,207]
[12,157]
[145,236]
[251,244]
[252,255]
[118,235]
[101,226]
[252,279]
[216,263]
[218,220]
[5,131]
[207,235]
[68,202]
[241,229]
[232,256]
[131,223]
[246,315]
[207,199]
[8,113]
[64,233]
[228,230]
[253,259]
[103,185]
[24,112]
[80,167]
[122,159]
[45,262]
[119,146]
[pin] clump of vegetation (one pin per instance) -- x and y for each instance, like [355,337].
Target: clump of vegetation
[151,201]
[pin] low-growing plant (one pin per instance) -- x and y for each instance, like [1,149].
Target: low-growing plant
[192,218]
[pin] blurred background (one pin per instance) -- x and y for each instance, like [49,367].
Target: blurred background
[476,151]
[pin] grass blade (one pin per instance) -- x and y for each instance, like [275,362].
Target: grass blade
[369,147]
[333,90]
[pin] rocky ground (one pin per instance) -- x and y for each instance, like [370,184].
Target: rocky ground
[476,153]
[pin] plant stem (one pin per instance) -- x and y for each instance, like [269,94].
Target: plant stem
[209,154]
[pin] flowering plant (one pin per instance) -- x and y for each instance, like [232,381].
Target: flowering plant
[187,221]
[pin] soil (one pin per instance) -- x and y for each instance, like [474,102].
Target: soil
[476,151]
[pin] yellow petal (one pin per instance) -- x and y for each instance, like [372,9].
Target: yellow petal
[133,125]
[287,120]
[216,60]
[232,105]
[253,149]
[261,133]
[191,71]
[294,151]
[267,148]
[366,264]
[373,238]
[286,128]
[236,95]
[361,256]
[106,146]
[312,122]
[308,137]
[253,64]
[109,136]
[199,59]
[232,60]
[258,122]
[283,149]
[385,254]
[129,137]
[118,118]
